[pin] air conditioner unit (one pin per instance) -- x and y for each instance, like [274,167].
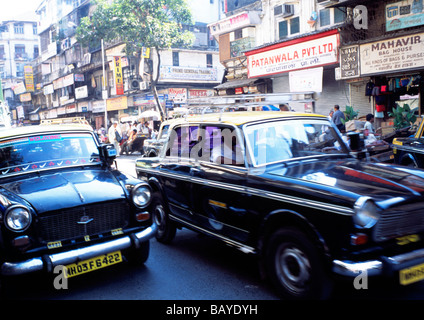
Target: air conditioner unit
[326,3]
[134,84]
[144,85]
[138,85]
[286,10]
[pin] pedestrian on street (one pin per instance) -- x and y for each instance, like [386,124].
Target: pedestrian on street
[115,136]
[368,124]
[338,116]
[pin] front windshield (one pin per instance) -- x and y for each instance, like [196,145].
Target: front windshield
[289,139]
[41,152]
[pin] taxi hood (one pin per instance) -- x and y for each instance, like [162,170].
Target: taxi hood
[380,181]
[55,191]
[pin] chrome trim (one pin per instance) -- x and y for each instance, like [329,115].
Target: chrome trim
[63,258]
[256,192]
[406,257]
[375,267]
[238,245]
[353,269]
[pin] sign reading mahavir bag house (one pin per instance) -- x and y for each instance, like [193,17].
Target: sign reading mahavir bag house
[396,54]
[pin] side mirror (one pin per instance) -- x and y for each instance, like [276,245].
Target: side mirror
[108,152]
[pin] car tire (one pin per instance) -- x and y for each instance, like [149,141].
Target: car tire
[166,228]
[295,267]
[140,255]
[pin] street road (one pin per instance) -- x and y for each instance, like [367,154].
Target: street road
[193,267]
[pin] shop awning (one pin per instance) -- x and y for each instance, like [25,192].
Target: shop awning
[236,84]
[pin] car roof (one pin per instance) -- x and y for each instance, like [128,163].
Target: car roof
[243,117]
[43,129]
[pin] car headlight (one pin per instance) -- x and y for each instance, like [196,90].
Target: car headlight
[141,195]
[366,213]
[18,218]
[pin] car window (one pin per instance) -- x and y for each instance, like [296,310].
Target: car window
[181,141]
[221,146]
[42,152]
[282,140]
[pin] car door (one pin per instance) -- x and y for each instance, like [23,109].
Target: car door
[176,170]
[219,183]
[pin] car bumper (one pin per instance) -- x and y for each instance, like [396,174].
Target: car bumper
[382,266]
[49,262]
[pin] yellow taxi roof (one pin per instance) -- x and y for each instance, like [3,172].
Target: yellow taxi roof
[243,117]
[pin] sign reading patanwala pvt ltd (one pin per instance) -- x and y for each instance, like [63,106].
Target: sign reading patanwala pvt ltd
[313,51]
[395,54]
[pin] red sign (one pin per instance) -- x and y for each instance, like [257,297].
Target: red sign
[119,80]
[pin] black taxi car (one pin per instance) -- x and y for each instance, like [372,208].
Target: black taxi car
[283,186]
[409,151]
[63,204]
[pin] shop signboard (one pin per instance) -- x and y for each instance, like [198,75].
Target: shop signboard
[168,73]
[349,62]
[119,82]
[120,103]
[234,22]
[395,54]
[81,92]
[26,97]
[98,106]
[29,78]
[404,14]
[303,53]
[306,80]
[177,95]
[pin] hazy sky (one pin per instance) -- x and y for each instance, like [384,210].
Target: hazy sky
[18,9]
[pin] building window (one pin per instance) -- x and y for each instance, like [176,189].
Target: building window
[209,61]
[19,69]
[36,52]
[330,16]
[238,34]
[288,27]
[294,25]
[339,15]
[34,29]
[20,51]
[19,28]
[324,17]
[175,58]
[283,29]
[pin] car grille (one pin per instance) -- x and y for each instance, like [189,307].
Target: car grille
[63,225]
[398,223]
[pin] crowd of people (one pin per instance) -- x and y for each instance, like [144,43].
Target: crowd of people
[122,135]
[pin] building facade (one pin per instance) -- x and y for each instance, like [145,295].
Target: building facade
[70,78]
[332,48]
[18,47]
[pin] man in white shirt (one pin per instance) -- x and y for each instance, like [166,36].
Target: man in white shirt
[112,136]
[368,124]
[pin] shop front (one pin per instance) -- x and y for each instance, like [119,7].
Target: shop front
[392,71]
[304,64]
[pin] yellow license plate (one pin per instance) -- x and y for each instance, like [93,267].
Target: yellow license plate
[411,275]
[93,264]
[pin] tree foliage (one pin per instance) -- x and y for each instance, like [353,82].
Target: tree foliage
[138,23]
[157,24]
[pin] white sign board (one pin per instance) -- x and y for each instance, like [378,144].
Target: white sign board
[306,80]
[317,52]
[394,54]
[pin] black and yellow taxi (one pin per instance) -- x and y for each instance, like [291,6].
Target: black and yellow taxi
[284,187]
[62,203]
[409,151]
